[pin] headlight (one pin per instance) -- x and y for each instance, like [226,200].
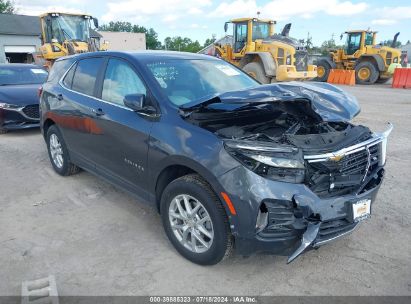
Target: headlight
[284,164]
[288,60]
[4,105]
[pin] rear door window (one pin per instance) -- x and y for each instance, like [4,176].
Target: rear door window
[85,76]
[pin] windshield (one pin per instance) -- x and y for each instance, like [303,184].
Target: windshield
[69,27]
[261,30]
[23,75]
[186,80]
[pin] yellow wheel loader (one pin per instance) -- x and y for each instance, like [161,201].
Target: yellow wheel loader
[65,34]
[266,56]
[372,62]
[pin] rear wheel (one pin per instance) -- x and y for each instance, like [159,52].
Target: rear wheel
[195,220]
[58,153]
[323,70]
[256,70]
[366,73]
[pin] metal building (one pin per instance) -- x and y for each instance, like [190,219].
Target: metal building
[19,38]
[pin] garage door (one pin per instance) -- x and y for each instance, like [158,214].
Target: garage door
[19,48]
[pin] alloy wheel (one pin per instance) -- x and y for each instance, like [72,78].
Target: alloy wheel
[191,223]
[56,151]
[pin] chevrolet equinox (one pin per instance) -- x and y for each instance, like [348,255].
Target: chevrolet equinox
[230,164]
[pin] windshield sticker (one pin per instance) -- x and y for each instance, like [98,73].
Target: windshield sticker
[229,71]
[38,71]
[162,83]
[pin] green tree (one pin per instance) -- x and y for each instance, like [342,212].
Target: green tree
[7,7]
[152,41]
[182,44]
[388,42]
[209,41]
[328,45]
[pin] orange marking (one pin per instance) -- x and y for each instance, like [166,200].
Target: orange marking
[229,203]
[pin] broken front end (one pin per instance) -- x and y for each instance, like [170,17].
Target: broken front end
[306,175]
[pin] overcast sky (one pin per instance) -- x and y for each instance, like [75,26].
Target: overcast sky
[199,19]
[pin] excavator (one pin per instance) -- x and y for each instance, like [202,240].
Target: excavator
[65,34]
[263,54]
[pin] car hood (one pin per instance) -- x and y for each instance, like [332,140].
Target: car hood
[20,95]
[327,102]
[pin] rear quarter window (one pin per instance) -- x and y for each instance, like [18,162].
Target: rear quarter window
[84,79]
[58,70]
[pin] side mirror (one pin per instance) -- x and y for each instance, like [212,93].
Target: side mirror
[95,21]
[225,27]
[134,101]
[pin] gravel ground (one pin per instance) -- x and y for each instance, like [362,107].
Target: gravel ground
[97,240]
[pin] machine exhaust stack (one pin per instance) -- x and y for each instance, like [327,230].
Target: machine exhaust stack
[286,30]
[394,42]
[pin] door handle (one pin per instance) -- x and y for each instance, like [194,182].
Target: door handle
[98,112]
[59,97]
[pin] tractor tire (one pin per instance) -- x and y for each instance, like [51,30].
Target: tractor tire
[366,73]
[323,70]
[256,70]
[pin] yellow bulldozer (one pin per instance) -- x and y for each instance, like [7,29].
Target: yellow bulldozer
[372,62]
[266,56]
[65,34]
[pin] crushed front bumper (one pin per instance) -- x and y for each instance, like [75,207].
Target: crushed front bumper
[295,218]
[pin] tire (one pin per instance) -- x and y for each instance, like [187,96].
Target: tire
[196,190]
[323,64]
[65,168]
[256,70]
[369,77]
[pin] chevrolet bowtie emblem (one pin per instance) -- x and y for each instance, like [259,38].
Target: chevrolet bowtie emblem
[336,158]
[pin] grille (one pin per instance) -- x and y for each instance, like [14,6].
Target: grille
[32,111]
[301,60]
[388,58]
[334,228]
[331,178]
[280,220]
[280,55]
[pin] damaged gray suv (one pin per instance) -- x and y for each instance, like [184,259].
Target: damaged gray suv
[228,163]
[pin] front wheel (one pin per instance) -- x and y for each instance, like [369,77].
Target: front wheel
[323,70]
[256,70]
[366,73]
[195,220]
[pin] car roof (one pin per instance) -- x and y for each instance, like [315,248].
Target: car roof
[20,65]
[146,55]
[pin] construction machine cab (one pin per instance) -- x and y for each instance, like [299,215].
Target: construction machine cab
[358,40]
[66,34]
[247,30]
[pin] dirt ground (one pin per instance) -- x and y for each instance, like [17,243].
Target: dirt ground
[97,240]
